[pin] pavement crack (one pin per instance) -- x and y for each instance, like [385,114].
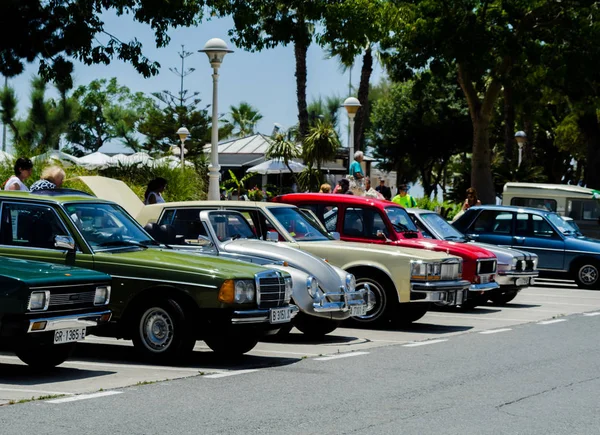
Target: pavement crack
[558,387]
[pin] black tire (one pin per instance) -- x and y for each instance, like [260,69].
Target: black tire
[314,327]
[45,357]
[161,331]
[231,346]
[410,312]
[504,297]
[587,275]
[386,298]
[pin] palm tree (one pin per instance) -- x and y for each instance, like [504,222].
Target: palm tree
[238,183]
[282,148]
[243,119]
[321,143]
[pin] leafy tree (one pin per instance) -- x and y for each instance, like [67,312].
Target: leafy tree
[321,144]
[479,41]
[105,112]
[58,32]
[282,148]
[238,183]
[327,110]
[243,119]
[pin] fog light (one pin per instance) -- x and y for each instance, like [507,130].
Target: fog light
[39,326]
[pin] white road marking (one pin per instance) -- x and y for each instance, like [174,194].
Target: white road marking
[597,313]
[530,295]
[482,318]
[494,331]
[549,322]
[284,352]
[423,343]
[47,393]
[85,397]
[343,355]
[232,373]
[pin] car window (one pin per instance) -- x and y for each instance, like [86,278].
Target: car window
[422,228]
[330,216]
[400,219]
[544,203]
[493,221]
[440,225]
[229,225]
[363,222]
[300,228]
[30,225]
[522,225]
[185,221]
[584,209]
[540,227]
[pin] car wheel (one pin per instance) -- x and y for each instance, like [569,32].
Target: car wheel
[314,327]
[231,346]
[504,298]
[162,332]
[410,312]
[587,275]
[45,357]
[385,299]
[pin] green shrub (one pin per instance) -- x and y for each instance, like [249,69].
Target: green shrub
[447,209]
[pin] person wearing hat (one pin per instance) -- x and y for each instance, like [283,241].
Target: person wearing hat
[403,198]
[383,189]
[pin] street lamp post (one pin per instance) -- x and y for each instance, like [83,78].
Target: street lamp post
[521,138]
[183,133]
[215,49]
[352,105]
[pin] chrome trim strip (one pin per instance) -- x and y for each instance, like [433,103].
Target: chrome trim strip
[582,252]
[165,280]
[420,287]
[484,287]
[70,285]
[69,321]
[552,270]
[525,248]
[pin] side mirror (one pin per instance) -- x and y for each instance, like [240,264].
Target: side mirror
[64,242]
[335,235]
[272,236]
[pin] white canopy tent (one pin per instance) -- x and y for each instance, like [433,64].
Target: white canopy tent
[276,166]
[173,162]
[95,160]
[129,160]
[59,156]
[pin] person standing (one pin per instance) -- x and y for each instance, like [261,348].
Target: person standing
[472,199]
[369,191]
[23,168]
[52,178]
[325,188]
[383,189]
[403,198]
[355,168]
[154,191]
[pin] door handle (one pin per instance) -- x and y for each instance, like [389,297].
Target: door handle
[518,239]
[473,236]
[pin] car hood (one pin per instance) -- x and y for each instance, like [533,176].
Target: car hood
[37,272]
[583,244]
[370,250]
[156,262]
[463,250]
[505,255]
[327,276]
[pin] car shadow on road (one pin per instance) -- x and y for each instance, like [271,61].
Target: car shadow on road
[512,305]
[202,359]
[479,310]
[418,327]
[306,339]
[16,374]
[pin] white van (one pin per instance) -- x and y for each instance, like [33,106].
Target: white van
[579,203]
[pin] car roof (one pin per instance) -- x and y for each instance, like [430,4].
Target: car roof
[335,198]
[56,197]
[225,204]
[514,208]
[413,210]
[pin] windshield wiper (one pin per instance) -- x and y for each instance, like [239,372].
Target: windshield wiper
[122,243]
[403,228]
[453,238]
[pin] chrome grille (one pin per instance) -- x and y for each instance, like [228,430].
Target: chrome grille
[529,265]
[486,267]
[72,298]
[450,271]
[270,289]
[68,297]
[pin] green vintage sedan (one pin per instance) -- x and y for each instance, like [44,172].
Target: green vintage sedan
[46,308]
[162,299]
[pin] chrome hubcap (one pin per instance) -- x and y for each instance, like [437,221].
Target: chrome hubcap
[380,300]
[588,274]
[156,329]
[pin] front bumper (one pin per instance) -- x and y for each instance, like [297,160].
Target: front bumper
[260,316]
[69,321]
[444,293]
[343,300]
[478,288]
[516,279]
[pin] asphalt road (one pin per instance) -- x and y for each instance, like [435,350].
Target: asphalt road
[530,367]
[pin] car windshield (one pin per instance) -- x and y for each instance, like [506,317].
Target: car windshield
[400,219]
[299,227]
[230,226]
[107,226]
[440,226]
[562,225]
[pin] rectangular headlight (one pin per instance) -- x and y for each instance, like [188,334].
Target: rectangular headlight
[39,301]
[418,270]
[102,296]
[288,289]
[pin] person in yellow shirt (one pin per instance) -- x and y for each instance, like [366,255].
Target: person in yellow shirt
[403,198]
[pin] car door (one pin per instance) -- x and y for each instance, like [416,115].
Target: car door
[534,234]
[492,226]
[28,231]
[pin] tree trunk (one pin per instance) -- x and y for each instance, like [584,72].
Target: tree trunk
[363,97]
[481,162]
[588,123]
[528,146]
[509,124]
[300,49]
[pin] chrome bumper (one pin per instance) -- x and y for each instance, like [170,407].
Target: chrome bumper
[514,279]
[444,293]
[484,287]
[259,316]
[69,321]
[345,300]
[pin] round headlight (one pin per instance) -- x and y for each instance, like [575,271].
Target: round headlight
[515,260]
[312,286]
[350,282]
[244,291]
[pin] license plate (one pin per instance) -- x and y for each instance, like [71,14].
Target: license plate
[523,281]
[358,310]
[280,315]
[68,335]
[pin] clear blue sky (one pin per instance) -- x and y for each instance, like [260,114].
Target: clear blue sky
[264,79]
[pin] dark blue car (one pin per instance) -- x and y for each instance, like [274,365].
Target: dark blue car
[562,250]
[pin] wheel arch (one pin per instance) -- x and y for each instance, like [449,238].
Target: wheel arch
[361,269]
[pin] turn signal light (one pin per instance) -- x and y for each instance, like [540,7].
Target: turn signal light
[227,292]
[105,317]
[39,326]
